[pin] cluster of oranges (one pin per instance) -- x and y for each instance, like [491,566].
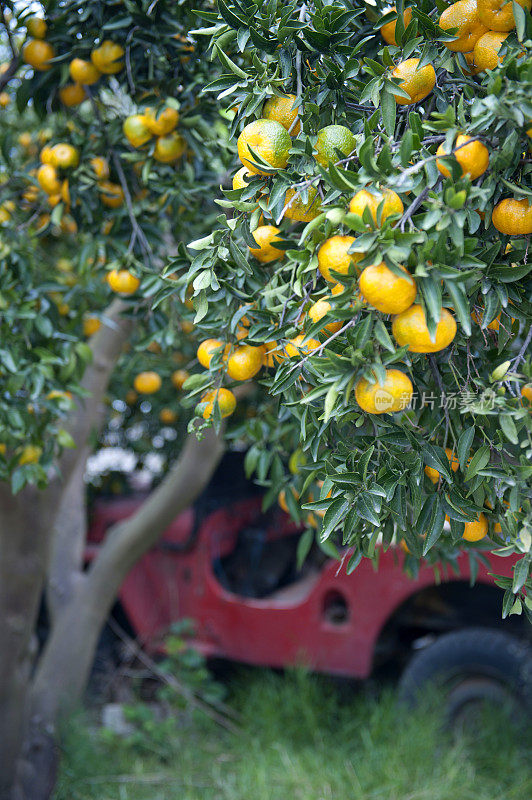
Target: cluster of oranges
[140,128]
[150,382]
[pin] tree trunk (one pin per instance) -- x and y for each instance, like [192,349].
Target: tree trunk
[26,522]
[64,667]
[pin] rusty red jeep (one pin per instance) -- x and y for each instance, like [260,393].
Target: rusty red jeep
[232,570]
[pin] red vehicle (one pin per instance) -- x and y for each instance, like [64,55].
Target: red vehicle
[231,569]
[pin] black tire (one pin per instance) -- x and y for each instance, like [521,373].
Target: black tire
[472,667]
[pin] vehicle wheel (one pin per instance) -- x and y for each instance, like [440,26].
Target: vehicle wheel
[473,667]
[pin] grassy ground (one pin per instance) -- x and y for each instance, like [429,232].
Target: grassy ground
[301,739]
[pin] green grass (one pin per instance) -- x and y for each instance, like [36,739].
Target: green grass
[302,738]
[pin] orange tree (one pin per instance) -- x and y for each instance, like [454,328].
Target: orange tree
[373,272]
[109,158]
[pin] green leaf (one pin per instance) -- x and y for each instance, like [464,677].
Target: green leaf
[388,109]
[333,516]
[478,461]
[436,458]
[521,570]
[508,427]
[464,445]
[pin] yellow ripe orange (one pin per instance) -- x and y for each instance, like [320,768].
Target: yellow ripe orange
[282,110]
[225,400]
[463,16]
[393,395]
[106,57]
[471,68]
[244,362]
[54,200]
[417,83]
[48,180]
[83,72]
[91,325]
[299,210]
[136,130]
[30,454]
[100,167]
[25,139]
[498,15]
[333,255]
[161,123]
[111,194]
[386,291]
[318,310]
[46,155]
[410,328]
[388,30]
[474,158]
[179,376]
[38,54]
[5,99]
[281,498]
[207,349]
[72,94]
[265,236]
[36,27]
[295,347]
[269,140]
[485,52]
[64,156]
[122,281]
[271,354]
[167,416]
[58,394]
[169,148]
[526,393]
[434,475]
[364,199]
[513,217]
[331,139]
[147,382]
[239,178]
[476,530]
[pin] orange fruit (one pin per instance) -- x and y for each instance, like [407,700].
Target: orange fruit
[64,156]
[239,178]
[169,148]
[463,16]
[295,346]
[244,362]
[267,139]
[179,376]
[282,110]
[122,281]
[485,52]
[25,139]
[91,325]
[417,83]
[136,130]
[271,354]
[386,291]
[206,350]
[388,30]
[37,54]
[281,498]
[48,180]
[393,395]
[46,154]
[526,392]
[36,27]
[167,416]
[162,122]
[30,454]
[225,400]
[318,310]
[498,15]
[473,158]
[513,217]
[5,99]
[410,328]
[111,194]
[72,94]
[147,382]
[472,68]
[333,255]
[300,210]
[476,530]
[106,57]
[331,139]
[83,72]
[372,199]
[58,394]
[100,167]
[434,475]
[265,236]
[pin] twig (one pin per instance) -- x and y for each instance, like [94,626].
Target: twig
[299,55]
[319,350]
[412,208]
[13,64]
[521,354]
[128,58]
